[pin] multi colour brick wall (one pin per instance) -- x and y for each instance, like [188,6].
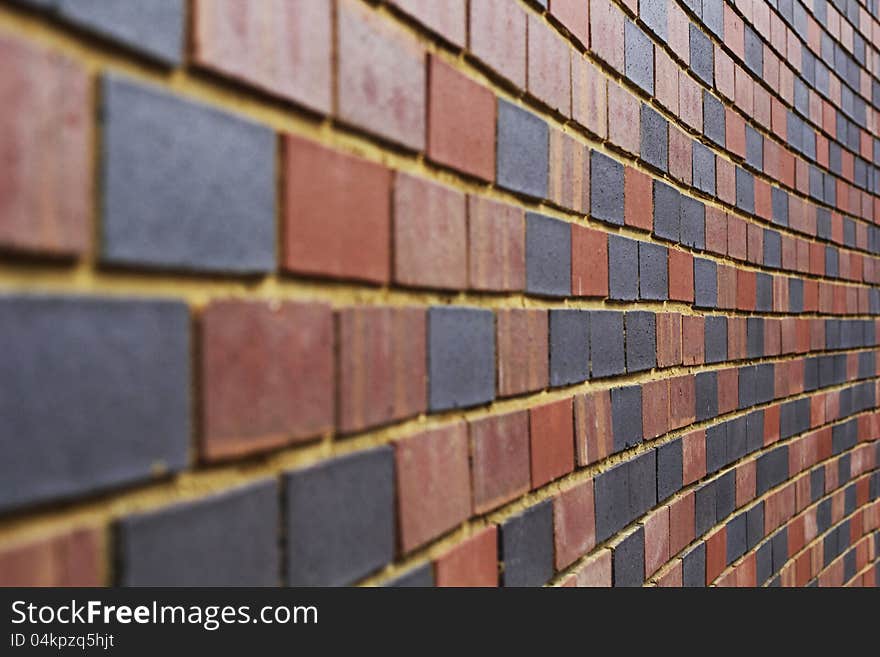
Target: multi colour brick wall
[440,293]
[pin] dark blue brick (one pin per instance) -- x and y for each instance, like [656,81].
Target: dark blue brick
[795,295]
[642,479]
[755,525]
[849,496]
[702,56]
[764,383]
[713,119]
[521,151]
[823,516]
[669,469]
[779,204]
[417,577]
[339,518]
[771,469]
[772,249]
[737,537]
[569,346]
[653,272]
[823,223]
[754,48]
[623,268]
[526,546]
[755,337]
[725,496]
[667,212]
[737,439]
[706,387]
[811,374]
[639,54]
[763,292]
[715,335]
[606,343]
[184,186]
[693,223]
[779,541]
[641,344]
[705,283]
[612,501]
[844,436]
[849,566]
[94,393]
[626,415]
[229,539]
[755,430]
[548,256]
[654,139]
[716,447]
[703,168]
[606,189]
[693,567]
[461,357]
[831,267]
[704,508]
[817,483]
[764,563]
[745,190]
[629,560]
[755,150]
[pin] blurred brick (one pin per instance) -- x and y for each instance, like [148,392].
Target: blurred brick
[549,66]
[552,441]
[593,427]
[471,563]
[496,243]
[498,37]
[574,523]
[71,558]
[448,19]
[589,262]
[522,338]
[499,459]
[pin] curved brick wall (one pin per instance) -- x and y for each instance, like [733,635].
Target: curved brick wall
[459,293]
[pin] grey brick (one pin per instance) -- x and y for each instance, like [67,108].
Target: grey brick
[94,393]
[831,266]
[626,415]
[653,272]
[755,430]
[521,151]
[755,525]
[623,268]
[811,374]
[823,515]
[704,508]
[569,346]
[417,577]
[737,439]
[737,537]
[754,52]
[641,343]
[713,17]
[606,343]
[764,563]
[229,539]
[849,565]
[772,249]
[713,119]
[705,283]
[755,337]
[823,223]
[548,256]
[667,212]
[715,334]
[693,223]
[653,14]
[795,295]
[703,168]
[779,204]
[612,501]
[746,386]
[771,469]
[763,292]
[184,186]
[526,546]
[745,190]
[669,469]
[764,383]
[606,189]
[461,357]
[629,560]
[725,495]
[817,483]
[693,567]
[339,518]
[755,149]
[706,386]
[716,447]
[702,56]
[639,53]
[654,138]
[642,484]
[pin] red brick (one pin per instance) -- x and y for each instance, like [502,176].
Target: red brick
[606,23]
[595,571]
[465,145]
[589,262]
[430,234]
[381,366]
[725,188]
[716,554]
[72,558]
[672,578]
[678,31]
[624,119]
[46,150]
[755,239]
[267,375]
[692,340]
[746,289]
[284,49]
[682,401]
[680,165]
[655,408]
[682,523]
[724,73]
[690,101]
[735,132]
[666,80]
[745,483]
[448,19]
[668,339]
[433,484]
[772,337]
[716,230]
[728,387]
[499,459]
[522,351]
[471,563]
[569,184]
[638,199]
[737,345]
[744,90]
[589,96]
[496,241]
[681,276]
[575,16]
[656,540]
[574,523]
[323,190]
[592,418]
[549,66]
[726,286]
[693,456]
[552,441]
[498,37]
[381,76]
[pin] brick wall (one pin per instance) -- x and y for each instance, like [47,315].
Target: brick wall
[440,293]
